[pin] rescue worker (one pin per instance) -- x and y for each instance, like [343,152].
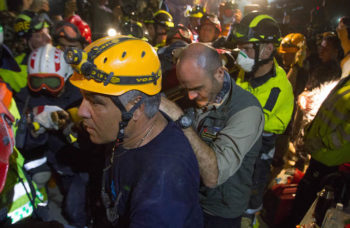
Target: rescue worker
[149,153]
[229,15]
[135,29]
[209,28]
[326,139]
[20,198]
[177,37]
[324,65]
[195,15]
[226,134]
[158,27]
[293,53]
[74,32]
[33,30]
[258,36]
[66,34]
[47,137]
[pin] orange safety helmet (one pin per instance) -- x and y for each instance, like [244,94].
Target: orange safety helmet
[291,42]
[116,65]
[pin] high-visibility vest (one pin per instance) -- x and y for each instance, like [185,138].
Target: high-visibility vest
[16,80]
[328,137]
[275,96]
[17,196]
[20,204]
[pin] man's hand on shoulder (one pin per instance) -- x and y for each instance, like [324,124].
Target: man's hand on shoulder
[170,108]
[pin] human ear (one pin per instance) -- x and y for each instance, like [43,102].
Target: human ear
[220,74]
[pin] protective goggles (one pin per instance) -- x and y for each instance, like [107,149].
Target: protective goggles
[40,21]
[68,31]
[51,82]
[242,33]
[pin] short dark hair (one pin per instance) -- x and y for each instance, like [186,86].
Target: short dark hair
[151,102]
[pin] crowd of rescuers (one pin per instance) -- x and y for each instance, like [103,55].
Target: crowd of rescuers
[152,123]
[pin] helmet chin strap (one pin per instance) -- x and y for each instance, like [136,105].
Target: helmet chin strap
[126,116]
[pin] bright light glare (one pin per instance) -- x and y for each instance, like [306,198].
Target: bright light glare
[111,32]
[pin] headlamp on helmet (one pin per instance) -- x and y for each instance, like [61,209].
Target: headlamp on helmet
[115,65]
[118,65]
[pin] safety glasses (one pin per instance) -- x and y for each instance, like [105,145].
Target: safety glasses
[51,82]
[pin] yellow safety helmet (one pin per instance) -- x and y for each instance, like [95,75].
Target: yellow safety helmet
[197,11]
[116,65]
[161,17]
[291,42]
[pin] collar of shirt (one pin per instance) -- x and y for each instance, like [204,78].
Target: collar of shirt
[256,82]
[220,97]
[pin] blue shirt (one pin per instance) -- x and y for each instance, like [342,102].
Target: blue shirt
[158,183]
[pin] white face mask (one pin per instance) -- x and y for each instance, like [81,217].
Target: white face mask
[245,62]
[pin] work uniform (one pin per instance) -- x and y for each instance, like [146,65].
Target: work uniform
[328,141]
[20,196]
[275,94]
[232,128]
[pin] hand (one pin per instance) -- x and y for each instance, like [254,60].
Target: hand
[170,108]
[45,6]
[60,118]
[50,117]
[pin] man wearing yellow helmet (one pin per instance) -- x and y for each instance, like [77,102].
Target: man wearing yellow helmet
[158,27]
[151,178]
[195,14]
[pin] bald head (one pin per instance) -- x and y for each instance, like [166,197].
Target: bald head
[206,57]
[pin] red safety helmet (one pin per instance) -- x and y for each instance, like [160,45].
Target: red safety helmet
[180,32]
[83,27]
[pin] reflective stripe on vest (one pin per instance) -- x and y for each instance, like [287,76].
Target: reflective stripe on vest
[21,206]
[22,212]
[36,163]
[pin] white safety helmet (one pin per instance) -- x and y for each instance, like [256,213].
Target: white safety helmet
[49,60]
